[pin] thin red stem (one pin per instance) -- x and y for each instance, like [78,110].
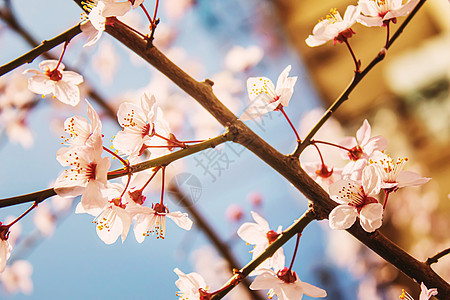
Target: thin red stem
[150,179]
[177,143]
[62,54]
[295,251]
[126,186]
[385,198]
[353,55]
[22,215]
[152,23]
[330,144]
[320,154]
[387,33]
[162,184]
[156,11]
[290,123]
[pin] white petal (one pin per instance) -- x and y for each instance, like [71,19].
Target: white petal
[181,219]
[363,133]
[72,77]
[266,280]
[41,84]
[312,291]
[371,216]
[252,234]
[260,85]
[408,178]
[67,93]
[342,217]
[341,191]
[371,180]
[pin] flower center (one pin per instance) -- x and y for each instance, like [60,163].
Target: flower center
[361,201]
[90,171]
[137,196]
[355,153]
[287,275]
[324,172]
[54,75]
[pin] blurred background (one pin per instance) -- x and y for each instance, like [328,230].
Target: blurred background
[405,98]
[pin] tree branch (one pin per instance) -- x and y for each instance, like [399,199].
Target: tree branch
[287,166]
[159,161]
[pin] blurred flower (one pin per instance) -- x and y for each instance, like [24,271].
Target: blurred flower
[44,219]
[234,213]
[322,174]
[265,98]
[62,84]
[191,285]
[5,248]
[255,198]
[240,59]
[17,129]
[379,12]
[334,27]
[105,62]
[357,199]
[176,9]
[17,277]
[286,285]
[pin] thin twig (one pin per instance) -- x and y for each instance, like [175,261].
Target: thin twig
[435,258]
[159,161]
[355,81]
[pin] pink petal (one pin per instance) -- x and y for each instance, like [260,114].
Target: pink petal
[342,217]
[408,178]
[371,217]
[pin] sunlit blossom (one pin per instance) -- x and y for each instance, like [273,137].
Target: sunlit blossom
[378,12]
[240,59]
[357,200]
[334,27]
[393,177]
[425,293]
[265,97]
[286,285]
[53,80]
[191,286]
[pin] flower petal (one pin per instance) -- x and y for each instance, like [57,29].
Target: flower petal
[342,217]
[371,216]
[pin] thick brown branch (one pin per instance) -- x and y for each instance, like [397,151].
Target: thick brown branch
[287,166]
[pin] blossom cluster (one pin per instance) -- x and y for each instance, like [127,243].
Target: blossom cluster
[368,13]
[116,205]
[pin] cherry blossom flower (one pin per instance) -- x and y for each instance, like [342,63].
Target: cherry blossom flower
[234,213]
[5,247]
[95,25]
[265,97]
[378,12]
[286,285]
[260,235]
[17,277]
[191,285]
[87,176]
[334,27]
[393,177]
[138,126]
[82,132]
[112,222]
[357,200]
[425,293]
[240,59]
[361,149]
[53,80]
[153,220]
[105,62]
[15,125]
[44,219]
